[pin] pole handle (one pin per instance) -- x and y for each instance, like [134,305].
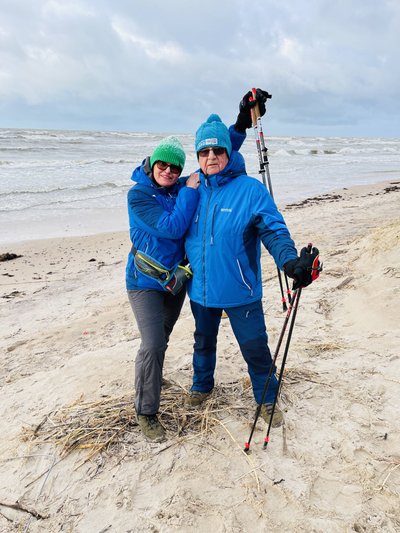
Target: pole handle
[255,111]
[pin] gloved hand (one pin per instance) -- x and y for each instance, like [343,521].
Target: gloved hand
[243,120]
[304,269]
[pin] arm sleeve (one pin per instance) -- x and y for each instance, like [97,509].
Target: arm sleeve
[237,138]
[272,229]
[146,212]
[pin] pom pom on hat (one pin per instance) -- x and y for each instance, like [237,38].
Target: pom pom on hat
[213,132]
[170,150]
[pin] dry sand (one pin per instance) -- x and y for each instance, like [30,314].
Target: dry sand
[68,335]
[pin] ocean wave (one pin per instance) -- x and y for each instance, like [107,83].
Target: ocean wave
[46,201]
[304,152]
[62,163]
[71,188]
[27,148]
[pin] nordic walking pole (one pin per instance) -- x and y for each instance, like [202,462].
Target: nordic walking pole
[273,364]
[295,307]
[265,175]
[315,270]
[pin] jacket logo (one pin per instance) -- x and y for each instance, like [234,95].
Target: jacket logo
[226,210]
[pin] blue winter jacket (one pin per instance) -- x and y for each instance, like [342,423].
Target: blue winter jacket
[235,213]
[158,219]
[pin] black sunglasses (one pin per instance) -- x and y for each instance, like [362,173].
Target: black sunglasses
[218,150]
[162,165]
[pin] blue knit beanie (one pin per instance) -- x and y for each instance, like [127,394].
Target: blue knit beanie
[213,132]
[169,150]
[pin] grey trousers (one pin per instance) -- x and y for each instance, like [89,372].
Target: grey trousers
[156,314]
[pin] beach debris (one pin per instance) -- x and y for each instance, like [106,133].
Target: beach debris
[316,199]
[9,257]
[109,425]
[92,259]
[18,506]
[13,294]
[391,189]
[345,282]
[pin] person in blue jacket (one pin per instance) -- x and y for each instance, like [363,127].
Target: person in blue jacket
[234,216]
[161,205]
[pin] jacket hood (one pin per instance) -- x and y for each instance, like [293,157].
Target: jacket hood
[142,174]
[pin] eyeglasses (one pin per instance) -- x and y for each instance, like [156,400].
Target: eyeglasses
[174,169]
[218,150]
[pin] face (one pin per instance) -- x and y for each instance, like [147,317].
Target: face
[166,174]
[211,162]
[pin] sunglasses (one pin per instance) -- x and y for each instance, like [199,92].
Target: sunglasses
[218,150]
[174,169]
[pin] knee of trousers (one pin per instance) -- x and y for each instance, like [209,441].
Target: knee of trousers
[152,350]
[204,343]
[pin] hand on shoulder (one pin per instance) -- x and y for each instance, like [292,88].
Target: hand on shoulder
[193,180]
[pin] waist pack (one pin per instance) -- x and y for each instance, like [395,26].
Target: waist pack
[171,279]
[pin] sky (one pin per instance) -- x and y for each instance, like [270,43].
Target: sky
[332,66]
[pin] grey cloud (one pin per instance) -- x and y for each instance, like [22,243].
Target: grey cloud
[166,66]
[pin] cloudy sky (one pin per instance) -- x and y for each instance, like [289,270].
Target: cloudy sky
[332,66]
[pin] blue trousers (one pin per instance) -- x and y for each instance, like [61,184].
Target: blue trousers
[248,325]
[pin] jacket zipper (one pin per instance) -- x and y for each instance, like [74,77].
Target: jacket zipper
[204,246]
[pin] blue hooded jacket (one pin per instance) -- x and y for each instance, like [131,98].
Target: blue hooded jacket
[158,219]
[223,243]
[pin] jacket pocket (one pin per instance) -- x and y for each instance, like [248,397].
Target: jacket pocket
[243,278]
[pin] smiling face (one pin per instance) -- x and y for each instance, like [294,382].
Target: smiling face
[212,162]
[166,174]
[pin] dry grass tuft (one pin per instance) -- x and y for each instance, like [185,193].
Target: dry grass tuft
[107,424]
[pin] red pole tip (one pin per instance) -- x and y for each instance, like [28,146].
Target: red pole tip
[247,446]
[266,440]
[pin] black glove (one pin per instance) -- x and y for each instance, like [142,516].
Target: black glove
[304,269]
[243,120]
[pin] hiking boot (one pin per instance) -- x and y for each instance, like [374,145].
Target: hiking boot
[265,413]
[151,428]
[195,398]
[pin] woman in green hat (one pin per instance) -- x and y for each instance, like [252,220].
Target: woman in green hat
[161,205]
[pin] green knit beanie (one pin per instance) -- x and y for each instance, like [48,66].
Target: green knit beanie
[170,150]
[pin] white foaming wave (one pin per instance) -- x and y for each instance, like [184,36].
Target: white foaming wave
[41,189]
[27,199]
[62,163]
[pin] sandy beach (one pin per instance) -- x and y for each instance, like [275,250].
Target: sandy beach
[68,343]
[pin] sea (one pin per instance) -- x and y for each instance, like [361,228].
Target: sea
[57,183]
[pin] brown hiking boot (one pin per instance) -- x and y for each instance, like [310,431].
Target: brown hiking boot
[266,411]
[151,428]
[195,398]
